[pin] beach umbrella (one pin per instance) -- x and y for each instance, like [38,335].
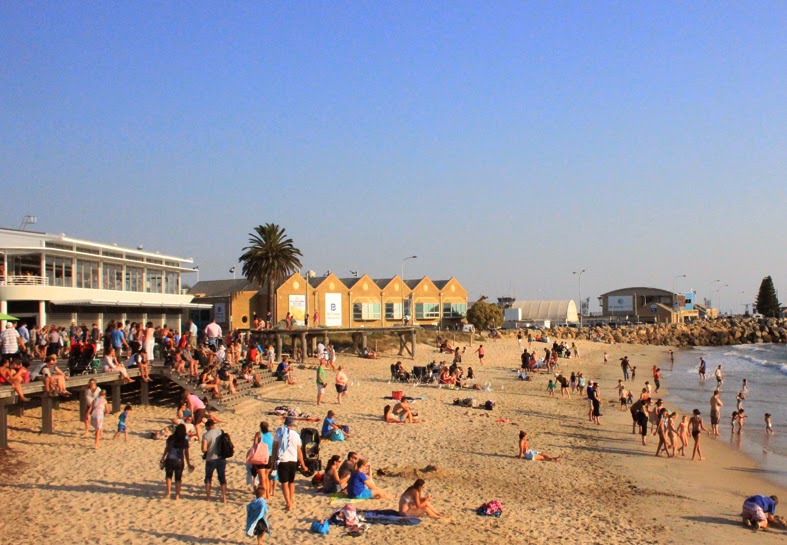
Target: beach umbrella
[8,318]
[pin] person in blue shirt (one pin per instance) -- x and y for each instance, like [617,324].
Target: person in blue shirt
[759,510]
[118,339]
[360,486]
[331,430]
[123,423]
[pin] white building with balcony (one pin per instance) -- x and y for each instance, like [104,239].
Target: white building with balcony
[51,279]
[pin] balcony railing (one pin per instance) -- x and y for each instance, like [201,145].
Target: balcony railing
[24,280]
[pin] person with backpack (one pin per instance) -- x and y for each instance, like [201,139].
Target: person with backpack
[217,447]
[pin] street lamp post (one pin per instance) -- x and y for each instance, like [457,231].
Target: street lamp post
[718,290]
[710,290]
[309,274]
[673,291]
[579,281]
[403,284]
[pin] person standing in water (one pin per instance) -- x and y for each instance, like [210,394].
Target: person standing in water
[719,377]
[702,368]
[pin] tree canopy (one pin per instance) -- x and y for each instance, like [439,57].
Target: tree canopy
[270,258]
[767,302]
[482,315]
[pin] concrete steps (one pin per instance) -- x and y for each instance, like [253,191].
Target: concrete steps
[244,401]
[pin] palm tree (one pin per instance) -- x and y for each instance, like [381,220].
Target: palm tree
[269,258]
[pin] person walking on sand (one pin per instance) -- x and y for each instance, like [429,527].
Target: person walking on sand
[176,451]
[624,365]
[91,393]
[123,424]
[596,402]
[480,351]
[213,459]
[341,384]
[98,410]
[695,423]
[657,378]
[661,430]
[715,412]
[321,381]
[289,456]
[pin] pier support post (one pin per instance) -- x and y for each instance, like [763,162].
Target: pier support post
[116,398]
[144,393]
[412,343]
[303,347]
[278,346]
[83,405]
[47,416]
[3,426]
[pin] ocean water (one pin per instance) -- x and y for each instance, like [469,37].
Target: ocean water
[765,368]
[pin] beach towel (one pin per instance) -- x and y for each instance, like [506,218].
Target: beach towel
[338,497]
[387,517]
[255,511]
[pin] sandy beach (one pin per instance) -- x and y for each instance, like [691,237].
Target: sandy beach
[607,488]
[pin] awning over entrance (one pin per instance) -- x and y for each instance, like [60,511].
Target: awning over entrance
[130,304]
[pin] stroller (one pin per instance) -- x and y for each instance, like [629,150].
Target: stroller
[80,364]
[310,439]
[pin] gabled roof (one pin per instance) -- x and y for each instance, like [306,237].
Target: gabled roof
[413,283]
[440,283]
[382,282]
[221,288]
[350,282]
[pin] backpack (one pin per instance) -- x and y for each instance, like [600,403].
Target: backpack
[225,448]
[257,455]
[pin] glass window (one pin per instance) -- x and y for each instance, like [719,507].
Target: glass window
[393,311]
[153,281]
[113,277]
[366,311]
[59,271]
[454,310]
[171,282]
[86,250]
[87,274]
[134,278]
[424,311]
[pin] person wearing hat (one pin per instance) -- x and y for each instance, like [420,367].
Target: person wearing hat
[288,456]
[12,341]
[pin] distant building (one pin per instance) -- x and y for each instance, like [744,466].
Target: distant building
[548,313]
[232,303]
[651,305]
[51,279]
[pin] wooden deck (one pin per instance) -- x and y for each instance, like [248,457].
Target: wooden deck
[77,385]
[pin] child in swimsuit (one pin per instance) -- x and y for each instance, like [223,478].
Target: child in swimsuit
[683,434]
[551,388]
[768,424]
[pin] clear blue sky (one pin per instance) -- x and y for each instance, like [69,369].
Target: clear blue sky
[507,144]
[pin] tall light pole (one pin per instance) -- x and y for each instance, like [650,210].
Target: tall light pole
[309,274]
[579,281]
[673,291]
[403,283]
[710,290]
[718,290]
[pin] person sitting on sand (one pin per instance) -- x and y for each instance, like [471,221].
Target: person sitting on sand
[759,510]
[332,483]
[360,486]
[403,410]
[367,354]
[413,503]
[284,371]
[331,430]
[533,455]
[445,377]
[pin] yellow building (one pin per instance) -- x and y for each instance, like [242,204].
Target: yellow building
[368,302]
